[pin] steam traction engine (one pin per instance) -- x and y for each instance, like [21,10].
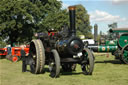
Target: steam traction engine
[117,45]
[56,50]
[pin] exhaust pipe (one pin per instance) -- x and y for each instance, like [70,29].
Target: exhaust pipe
[72,20]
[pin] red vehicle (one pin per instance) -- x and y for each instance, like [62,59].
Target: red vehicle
[15,54]
[3,52]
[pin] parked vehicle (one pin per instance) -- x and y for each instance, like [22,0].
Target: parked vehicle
[14,54]
[89,41]
[3,52]
[117,45]
[57,49]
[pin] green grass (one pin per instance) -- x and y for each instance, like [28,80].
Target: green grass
[107,71]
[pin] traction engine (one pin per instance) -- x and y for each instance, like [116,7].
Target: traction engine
[59,51]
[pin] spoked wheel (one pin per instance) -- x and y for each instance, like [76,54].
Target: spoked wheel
[15,58]
[68,67]
[37,56]
[54,64]
[124,54]
[87,64]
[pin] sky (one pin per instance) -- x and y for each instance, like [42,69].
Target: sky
[103,12]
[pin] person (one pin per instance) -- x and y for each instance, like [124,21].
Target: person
[65,32]
[26,60]
[23,55]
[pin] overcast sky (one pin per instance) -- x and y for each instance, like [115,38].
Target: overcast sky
[104,12]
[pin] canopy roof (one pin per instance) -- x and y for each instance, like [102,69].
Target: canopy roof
[119,30]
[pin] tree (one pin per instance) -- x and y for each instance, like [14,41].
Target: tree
[51,10]
[55,17]
[56,20]
[17,19]
[20,19]
[82,22]
[2,43]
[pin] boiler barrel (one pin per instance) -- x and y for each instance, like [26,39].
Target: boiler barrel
[97,48]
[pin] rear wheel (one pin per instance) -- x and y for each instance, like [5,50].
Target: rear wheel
[37,56]
[87,64]
[54,64]
[124,54]
[42,55]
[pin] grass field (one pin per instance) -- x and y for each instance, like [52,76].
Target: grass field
[107,71]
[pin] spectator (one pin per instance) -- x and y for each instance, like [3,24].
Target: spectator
[23,54]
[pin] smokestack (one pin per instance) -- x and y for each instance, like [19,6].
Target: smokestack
[95,33]
[72,20]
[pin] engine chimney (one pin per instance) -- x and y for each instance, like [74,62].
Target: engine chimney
[72,20]
[95,33]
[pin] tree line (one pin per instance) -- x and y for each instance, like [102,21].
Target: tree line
[20,19]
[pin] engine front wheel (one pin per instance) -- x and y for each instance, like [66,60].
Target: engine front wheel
[87,64]
[54,64]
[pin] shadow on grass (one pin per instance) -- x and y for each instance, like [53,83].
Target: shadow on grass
[110,61]
[65,73]
[62,73]
[70,73]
